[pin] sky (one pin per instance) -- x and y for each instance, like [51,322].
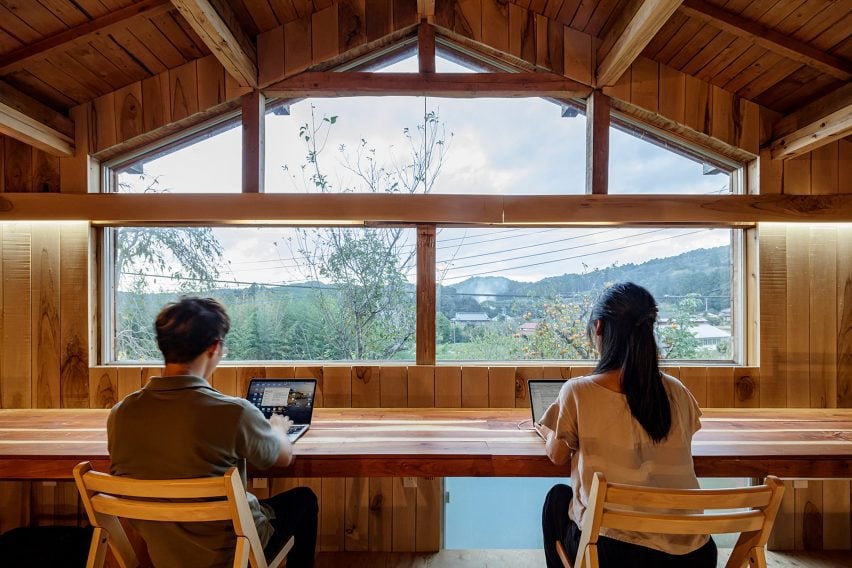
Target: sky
[491,146]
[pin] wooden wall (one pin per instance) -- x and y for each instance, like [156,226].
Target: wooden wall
[805,273]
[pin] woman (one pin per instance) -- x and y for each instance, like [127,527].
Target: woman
[630,422]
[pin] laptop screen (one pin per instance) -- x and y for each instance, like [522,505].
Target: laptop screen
[543,394]
[293,398]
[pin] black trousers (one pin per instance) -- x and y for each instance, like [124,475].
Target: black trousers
[611,553]
[296,513]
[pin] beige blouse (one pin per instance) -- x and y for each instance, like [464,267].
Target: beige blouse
[597,424]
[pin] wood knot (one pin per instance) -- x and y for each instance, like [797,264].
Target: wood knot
[376,502]
[745,388]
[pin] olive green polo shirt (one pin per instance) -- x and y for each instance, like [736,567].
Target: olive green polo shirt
[180,427]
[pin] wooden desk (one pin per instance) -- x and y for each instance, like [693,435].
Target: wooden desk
[46,444]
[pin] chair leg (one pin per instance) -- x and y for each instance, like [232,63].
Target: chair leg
[757,557]
[563,556]
[241,555]
[98,548]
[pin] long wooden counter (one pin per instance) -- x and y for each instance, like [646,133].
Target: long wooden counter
[803,443]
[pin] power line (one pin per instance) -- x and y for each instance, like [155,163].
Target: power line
[571,257]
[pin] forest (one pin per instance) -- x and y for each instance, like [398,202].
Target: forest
[350,319]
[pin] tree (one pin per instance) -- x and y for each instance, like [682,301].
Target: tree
[675,339]
[190,256]
[359,275]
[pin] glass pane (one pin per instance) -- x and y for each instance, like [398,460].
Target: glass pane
[292,293]
[475,519]
[523,294]
[208,163]
[642,163]
[431,145]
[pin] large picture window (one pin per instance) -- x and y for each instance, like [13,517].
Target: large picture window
[335,293]
[526,294]
[312,294]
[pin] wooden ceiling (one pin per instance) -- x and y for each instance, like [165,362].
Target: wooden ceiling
[779,53]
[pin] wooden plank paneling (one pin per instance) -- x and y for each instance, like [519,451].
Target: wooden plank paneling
[695,379]
[351,24]
[501,387]
[836,529]
[825,176]
[430,507]
[103,387]
[17,164]
[798,317]
[672,94]
[211,82]
[404,516]
[15,359]
[356,514]
[421,386]
[720,387]
[224,380]
[381,513]
[297,45]
[366,387]
[45,316]
[379,18]
[474,387]
[337,387]
[522,34]
[129,121]
[773,316]
[644,84]
[747,388]
[45,172]
[822,255]
[183,91]
[522,377]
[448,387]
[844,316]
[128,380]
[394,387]
[332,524]
[104,122]
[325,34]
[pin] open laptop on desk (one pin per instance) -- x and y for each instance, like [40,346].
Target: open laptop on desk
[293,398]
[543,393]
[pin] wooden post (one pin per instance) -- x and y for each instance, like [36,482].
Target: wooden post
[597,143]
[254,107]
[426,47]
[425,295]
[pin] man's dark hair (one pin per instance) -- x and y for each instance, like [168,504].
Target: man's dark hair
[185,329]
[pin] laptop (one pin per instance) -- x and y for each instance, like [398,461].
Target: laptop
[543,393]
[293,398]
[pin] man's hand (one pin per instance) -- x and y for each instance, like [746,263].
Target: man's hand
[281,424]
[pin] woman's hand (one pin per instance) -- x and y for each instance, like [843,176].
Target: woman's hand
[556,449]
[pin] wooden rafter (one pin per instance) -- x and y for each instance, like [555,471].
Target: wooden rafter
[466,85]
[220,30]
[629,36]
[768,38]
[814,125]
[29,121]
[358,209]
[20,58]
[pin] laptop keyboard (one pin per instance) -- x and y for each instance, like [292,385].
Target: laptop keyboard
[294,429]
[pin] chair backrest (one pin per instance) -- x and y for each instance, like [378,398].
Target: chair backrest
[672,511]
[108,498]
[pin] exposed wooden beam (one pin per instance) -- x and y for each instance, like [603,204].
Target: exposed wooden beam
[254,110]
[768,38]
[597,143]
[360,209]
[426,47]
[629,36]
[459,85]
[814,125]
[425,335]
[29,121]
[220,30]
[20,58]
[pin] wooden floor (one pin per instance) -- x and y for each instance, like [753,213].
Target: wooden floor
[535,559]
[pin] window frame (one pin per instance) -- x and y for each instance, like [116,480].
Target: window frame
[743,327]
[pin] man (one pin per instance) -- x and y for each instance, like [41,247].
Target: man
[178,426]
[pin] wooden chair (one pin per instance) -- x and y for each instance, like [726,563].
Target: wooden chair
[108,498]
[607,502]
